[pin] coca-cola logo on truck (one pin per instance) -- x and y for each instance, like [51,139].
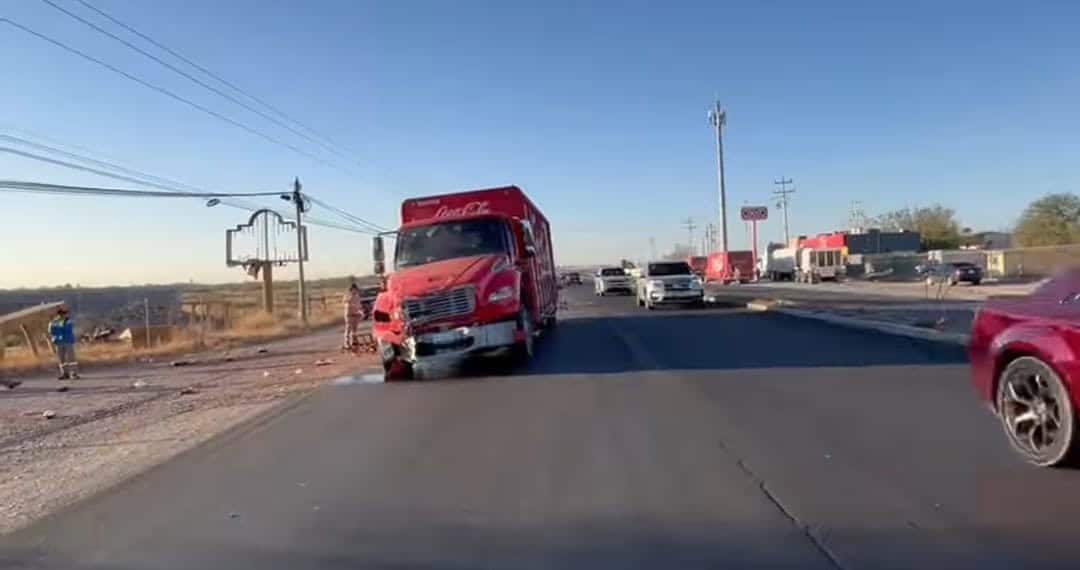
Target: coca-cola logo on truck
[470,209]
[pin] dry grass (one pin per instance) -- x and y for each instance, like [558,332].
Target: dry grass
[250,328]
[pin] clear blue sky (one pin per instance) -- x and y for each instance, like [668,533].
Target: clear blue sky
[597,109]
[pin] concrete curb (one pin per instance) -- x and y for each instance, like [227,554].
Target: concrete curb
[958,339]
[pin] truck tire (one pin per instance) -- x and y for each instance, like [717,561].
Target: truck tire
[524,350]
[397,369]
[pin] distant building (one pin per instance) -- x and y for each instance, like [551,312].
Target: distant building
[987,240]
[869,242]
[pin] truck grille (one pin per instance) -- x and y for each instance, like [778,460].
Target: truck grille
[677,284]
[452,303]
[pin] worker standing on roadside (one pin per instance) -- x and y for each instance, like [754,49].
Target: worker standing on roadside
[354,313]
[62,333]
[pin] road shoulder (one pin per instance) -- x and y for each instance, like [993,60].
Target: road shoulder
[111,429]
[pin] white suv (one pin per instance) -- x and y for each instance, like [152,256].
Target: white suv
[669,282]
[613,280]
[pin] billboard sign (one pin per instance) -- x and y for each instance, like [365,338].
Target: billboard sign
[754,213]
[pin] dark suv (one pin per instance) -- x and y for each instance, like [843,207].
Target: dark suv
[957,272]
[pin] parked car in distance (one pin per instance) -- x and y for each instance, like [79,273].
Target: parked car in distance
[613,280]
[955,272]
[1025,367]
[571,278]
[669,282]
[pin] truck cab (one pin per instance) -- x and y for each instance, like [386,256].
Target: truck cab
[473,274]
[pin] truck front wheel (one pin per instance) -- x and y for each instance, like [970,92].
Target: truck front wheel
[524,349]
[397,369]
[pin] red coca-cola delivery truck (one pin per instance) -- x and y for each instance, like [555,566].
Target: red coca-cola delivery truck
[473,274]
[735,266]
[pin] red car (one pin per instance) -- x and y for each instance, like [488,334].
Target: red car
[1025,360]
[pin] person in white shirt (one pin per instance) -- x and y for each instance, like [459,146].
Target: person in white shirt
[354,313]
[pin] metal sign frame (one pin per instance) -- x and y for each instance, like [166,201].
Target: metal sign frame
[255,224]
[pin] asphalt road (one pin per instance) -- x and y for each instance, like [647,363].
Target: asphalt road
[636,439]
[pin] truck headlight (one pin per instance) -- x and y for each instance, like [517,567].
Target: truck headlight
[501,294]
[655,284]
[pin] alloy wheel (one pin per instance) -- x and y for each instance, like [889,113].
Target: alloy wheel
[1035,411]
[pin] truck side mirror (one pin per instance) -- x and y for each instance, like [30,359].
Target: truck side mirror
[530,251]
[379,254]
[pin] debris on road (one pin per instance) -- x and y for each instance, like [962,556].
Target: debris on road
[48,414]
[299,371]
[62,389]
[181,363]
[188,390]
[139,384]
[324,362]
[234,515]
[12,384]
[262,350]
[266,373]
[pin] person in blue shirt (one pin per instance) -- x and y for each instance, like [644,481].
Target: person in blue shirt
[62,333]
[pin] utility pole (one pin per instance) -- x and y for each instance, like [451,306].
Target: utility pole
[298,200]
[146,319]
[783,204]
[718,118]
[689,225]
[857,217]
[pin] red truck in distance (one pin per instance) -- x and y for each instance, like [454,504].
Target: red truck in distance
[734,267]
[473,273]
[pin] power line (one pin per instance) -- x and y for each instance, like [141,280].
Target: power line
[352,218]
[73,166]
[165,183]
[209,73]
[173,187]
[67,190]
[243,205]
[189,76]
[170,94]
[45,188]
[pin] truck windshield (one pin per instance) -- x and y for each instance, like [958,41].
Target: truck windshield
[675,268]
[612,271]
[417,246]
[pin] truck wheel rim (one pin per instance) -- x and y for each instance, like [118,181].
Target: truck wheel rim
[1032,410]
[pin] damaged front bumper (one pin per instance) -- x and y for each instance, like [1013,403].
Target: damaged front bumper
[451,343]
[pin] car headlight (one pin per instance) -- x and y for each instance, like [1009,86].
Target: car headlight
[695,283]
[655,284]
[501,294]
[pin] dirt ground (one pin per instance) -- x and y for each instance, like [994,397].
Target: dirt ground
[117,421]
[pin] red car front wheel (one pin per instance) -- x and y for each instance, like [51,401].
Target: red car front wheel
[1037,413]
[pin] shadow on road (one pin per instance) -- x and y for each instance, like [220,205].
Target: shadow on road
[715,341]
[592,544]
